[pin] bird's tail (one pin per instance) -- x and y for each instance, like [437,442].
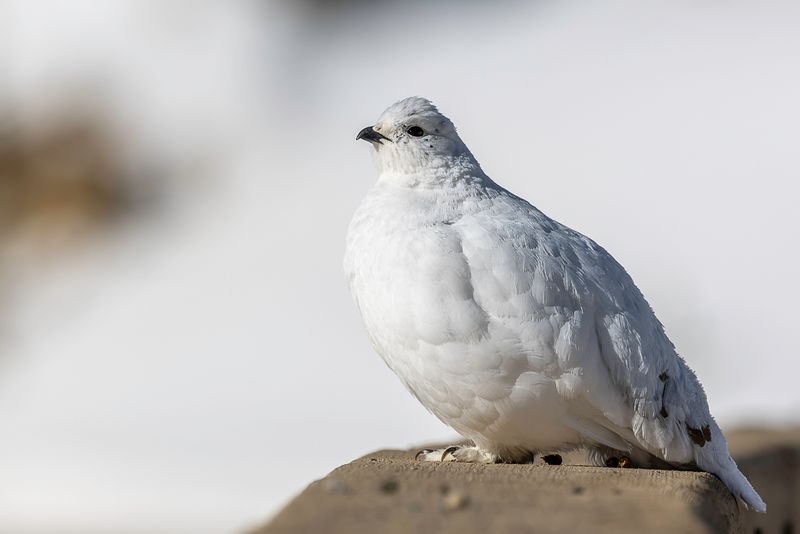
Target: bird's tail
[729,473]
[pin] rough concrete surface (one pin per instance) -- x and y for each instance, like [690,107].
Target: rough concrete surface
[389,492]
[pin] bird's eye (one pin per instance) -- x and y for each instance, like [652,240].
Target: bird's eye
[416,131]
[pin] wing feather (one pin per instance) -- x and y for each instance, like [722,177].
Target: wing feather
[631,374]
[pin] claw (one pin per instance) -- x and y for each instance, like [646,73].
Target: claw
[624,461]
[449,450]
[422,453]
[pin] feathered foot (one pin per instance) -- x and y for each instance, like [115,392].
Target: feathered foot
[457,453]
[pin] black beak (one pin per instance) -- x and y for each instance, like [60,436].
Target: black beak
[369,134]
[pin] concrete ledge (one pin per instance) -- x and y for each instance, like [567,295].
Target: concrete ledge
[388,492]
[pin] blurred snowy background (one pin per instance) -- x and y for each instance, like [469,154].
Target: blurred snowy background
[178,350]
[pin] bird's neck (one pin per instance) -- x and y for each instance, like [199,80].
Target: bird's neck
[435,172]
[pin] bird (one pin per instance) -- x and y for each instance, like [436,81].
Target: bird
[523,335]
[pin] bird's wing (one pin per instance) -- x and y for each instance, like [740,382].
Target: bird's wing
[558,288]
[608,353]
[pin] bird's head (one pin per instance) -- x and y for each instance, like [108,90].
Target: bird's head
[411,137]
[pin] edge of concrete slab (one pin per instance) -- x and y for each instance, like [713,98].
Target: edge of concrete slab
[388,491]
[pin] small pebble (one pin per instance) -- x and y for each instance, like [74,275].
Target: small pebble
[389,486]
[455,501]
[577,490]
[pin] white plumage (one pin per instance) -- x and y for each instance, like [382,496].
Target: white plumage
[520,333]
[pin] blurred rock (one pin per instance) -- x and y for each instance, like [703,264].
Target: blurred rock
[59,182]
[770,458]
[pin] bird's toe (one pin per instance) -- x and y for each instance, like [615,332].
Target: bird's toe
[456,453]
[422,455]
[449,452]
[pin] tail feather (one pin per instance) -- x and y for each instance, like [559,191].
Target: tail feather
[740,486]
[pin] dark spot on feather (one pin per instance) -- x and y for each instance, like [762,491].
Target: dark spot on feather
[663,376]
[706,433]
[696,435]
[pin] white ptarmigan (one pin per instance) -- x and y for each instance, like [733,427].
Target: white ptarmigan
[520,333]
